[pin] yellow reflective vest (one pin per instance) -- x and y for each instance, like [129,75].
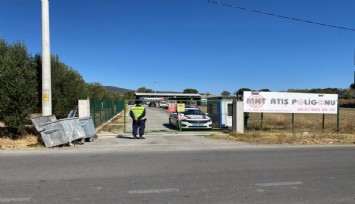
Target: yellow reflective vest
[138,112]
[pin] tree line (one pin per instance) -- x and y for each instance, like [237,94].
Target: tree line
[342,93]
[21,86]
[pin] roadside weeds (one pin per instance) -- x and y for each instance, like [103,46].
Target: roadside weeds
[287,138]
[25,142]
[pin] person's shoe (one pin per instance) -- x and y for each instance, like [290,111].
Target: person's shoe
[141,137]
[135,137]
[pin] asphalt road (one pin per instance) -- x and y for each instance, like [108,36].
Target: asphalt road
[242,174]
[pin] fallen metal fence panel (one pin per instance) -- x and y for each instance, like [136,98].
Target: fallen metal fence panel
[53,134]
[73,128]
[57,132]
[89,128]
[38,121]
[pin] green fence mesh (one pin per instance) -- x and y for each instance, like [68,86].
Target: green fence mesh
[104,110]
[221,114]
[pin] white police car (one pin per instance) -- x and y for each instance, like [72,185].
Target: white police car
[192,118]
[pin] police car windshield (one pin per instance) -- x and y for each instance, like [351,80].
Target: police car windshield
[193,112]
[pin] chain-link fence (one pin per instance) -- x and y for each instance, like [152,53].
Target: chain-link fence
[343,122]
[104,110]
[221,114]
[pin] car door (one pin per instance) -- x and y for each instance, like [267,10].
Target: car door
[174,118]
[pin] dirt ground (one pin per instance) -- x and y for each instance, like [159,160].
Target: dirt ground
[116,125]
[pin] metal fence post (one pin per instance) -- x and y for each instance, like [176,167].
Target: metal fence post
[113,108]
[112,113]
[338,116]
[323,121]
[293,123]
[105,109]
[124,115]
[261,120]
[109,110]
[94,111]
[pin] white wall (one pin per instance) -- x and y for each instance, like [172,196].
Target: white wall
[84,108]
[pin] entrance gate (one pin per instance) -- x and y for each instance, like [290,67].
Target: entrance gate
[157,118]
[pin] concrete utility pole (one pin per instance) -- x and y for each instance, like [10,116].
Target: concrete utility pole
[46,62]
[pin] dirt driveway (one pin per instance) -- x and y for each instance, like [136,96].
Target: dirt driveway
[157,120]
[113,136]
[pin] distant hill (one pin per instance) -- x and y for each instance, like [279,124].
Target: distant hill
[117,90]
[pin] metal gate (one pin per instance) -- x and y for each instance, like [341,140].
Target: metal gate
[157,118]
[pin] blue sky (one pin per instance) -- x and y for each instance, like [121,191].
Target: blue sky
[193,43]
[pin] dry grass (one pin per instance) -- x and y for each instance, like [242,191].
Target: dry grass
[30,141]
[25,142]
[287,138]
[305,122]
[116,125]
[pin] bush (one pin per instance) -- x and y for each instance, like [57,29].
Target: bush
[18,86]
[67,86]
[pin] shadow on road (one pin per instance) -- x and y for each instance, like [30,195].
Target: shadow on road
[169,126]
[124,137]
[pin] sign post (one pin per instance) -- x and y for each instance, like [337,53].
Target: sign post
[180,112]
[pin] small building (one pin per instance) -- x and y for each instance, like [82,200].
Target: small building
[220,110]
[180,97]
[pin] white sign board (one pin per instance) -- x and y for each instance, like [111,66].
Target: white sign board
[284,102]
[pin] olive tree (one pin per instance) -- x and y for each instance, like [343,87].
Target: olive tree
[96,91]
[67,86]
[18,86]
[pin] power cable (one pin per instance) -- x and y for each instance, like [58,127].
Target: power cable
[280,16]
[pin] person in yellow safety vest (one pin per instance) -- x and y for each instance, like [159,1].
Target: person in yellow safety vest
[137,114]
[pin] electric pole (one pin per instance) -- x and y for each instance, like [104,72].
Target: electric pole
[46,62]
[155,86]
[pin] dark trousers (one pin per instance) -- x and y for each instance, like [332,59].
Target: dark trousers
[138,124]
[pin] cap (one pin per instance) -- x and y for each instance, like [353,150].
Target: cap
[138,102]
